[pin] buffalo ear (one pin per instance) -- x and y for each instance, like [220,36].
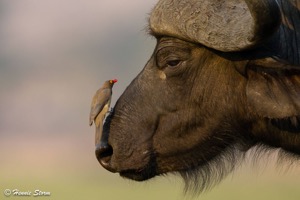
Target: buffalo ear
[273,88]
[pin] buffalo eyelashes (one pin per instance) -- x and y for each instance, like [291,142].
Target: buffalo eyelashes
[171,57]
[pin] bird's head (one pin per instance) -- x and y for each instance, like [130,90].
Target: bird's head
[113,81]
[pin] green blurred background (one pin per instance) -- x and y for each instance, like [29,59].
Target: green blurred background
[54,55]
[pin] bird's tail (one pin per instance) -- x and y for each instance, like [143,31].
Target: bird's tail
[98,134]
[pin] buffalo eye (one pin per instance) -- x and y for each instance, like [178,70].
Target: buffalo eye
[173,63]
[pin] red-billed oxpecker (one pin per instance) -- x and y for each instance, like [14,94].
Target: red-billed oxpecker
[99,107]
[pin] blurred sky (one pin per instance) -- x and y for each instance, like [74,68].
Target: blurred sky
[54,55]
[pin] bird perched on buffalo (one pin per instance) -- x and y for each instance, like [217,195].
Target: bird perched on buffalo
[100,106]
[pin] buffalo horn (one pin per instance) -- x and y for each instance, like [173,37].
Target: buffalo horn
[224,25]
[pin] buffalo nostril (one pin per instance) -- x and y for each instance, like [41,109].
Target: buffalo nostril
[103,153]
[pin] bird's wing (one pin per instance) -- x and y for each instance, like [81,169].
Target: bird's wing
[100,99]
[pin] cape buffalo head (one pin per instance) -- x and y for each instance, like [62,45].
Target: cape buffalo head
[216,85]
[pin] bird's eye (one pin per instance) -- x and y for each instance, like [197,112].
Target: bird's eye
[173,63]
